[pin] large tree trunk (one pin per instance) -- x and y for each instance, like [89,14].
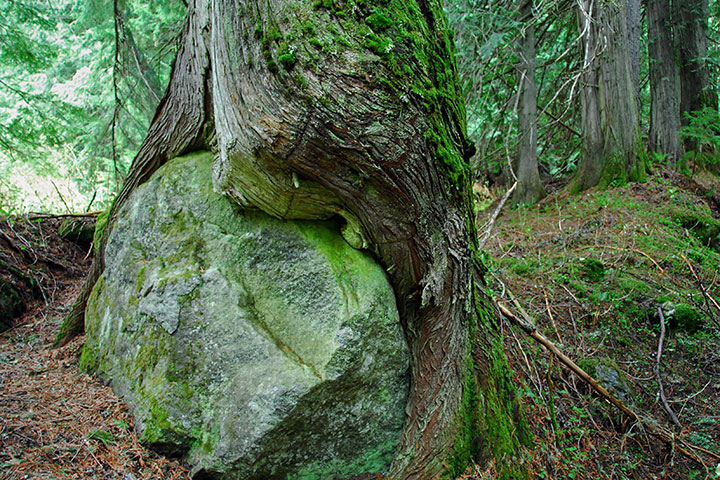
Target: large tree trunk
[353,111]
[664,84]
[634,29]
[529,187]
[612,149]
[691,17]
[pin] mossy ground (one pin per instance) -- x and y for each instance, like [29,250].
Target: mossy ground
[592,270]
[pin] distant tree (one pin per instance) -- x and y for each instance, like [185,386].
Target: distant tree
[529,187]
[612,150]
[489,70]
[691,29]
[664,135]
[483,30]
[353,111]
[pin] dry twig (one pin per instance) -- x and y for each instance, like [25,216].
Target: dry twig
[663,434]
[552,319]
[658,358]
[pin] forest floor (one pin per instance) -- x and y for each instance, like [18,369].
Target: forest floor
[589,270]
[55,421]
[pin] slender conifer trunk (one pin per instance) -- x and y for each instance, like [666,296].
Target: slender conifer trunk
[529,187]
[691,25]
[664,83]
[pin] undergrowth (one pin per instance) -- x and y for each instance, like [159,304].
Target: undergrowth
[592,271]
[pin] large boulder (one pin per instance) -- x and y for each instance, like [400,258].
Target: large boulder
[256,348]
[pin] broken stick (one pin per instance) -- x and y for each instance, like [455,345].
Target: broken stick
[663,434]
[658,358]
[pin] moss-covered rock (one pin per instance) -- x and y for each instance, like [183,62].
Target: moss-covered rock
[681,316]
[257,348]
[609,375]
[704,227]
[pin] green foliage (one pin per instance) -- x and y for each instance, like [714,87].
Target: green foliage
[593,269]
[703,227]
[106,438]
[59,118]
[703,132]
[486,34]
[122,424]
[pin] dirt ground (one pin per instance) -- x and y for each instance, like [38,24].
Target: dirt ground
[56,422]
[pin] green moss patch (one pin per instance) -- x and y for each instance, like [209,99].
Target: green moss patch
[704,227]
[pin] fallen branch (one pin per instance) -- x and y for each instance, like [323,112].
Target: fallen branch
[61,196]
[490,223]
[37,215]
[653,427]
[658,358]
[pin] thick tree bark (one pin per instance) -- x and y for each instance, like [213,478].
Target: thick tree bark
[664,83]
[529,187]
[612,149]
[634,29]
[353,111]
[691,17]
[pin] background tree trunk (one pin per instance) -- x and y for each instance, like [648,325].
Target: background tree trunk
[354,111]
[691,42]
[612,149]
[664,83]
[634,29]
[529,187]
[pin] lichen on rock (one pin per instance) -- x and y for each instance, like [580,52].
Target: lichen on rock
[258,348]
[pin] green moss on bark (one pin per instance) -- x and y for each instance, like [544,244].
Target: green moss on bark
[503,426]
[100,224]
[413,49]
[466,445]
